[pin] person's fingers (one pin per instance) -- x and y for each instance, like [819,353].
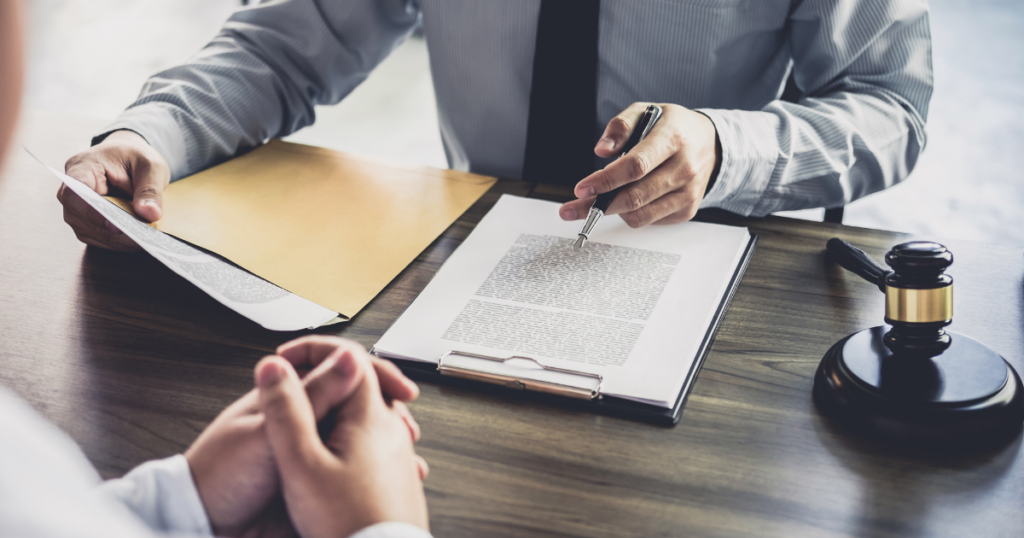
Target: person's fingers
[89,171]
[105,235]
[680,203]
[333,381]
[671,176]
[311,350]
[668,177]
[640,161]
[288,417]
[393,382]
[422,467]
[576,209]
[148,184]
[89,225]
[617,132]
[108,245]
[403,411]
[73,203]
[366,400]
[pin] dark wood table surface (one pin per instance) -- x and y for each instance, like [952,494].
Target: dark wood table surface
[133,362]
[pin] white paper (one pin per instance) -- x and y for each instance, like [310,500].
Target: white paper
[633,306]
[268,305]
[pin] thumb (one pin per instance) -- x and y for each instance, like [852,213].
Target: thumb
[618,130]
[366,398]
[289,421]
[148,187]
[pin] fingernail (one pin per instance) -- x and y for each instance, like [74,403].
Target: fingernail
[606,143]
[583,192]
[568,213]
[346,364]
[270,373]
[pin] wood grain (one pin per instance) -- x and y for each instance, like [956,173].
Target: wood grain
[133,362]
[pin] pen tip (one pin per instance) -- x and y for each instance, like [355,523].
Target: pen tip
[578,244]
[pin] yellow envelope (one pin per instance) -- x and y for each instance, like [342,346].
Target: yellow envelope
[333,228]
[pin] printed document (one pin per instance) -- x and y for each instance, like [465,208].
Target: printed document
[633,305]
[268,305]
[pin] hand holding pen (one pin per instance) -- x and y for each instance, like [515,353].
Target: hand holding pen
[663,179]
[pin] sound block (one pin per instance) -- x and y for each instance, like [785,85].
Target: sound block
[967,396]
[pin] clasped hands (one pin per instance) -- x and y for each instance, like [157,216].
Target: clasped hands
[322,447]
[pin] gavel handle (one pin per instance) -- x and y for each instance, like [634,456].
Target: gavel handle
[858,261]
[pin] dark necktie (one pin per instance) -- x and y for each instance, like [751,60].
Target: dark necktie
[561,132]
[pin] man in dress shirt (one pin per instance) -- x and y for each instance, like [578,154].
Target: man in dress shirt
[862,72]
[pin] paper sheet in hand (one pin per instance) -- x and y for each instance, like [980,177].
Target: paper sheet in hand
[269,305]
[332,228]
[633,306]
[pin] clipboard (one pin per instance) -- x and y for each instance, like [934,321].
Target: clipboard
[525,389]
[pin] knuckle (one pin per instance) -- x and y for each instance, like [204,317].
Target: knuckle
[275,404]
[621,124]
[676,138]
[637,165]
[148,191]
[645,216]
[632,219]
[687,170]
[635,200]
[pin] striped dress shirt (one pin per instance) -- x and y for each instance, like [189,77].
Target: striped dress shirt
[863,68]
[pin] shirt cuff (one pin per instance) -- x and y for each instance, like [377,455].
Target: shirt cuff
[749,152]
[163,494]
[157,124]
[392,529]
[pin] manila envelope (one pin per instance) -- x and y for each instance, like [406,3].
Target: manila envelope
[330,227]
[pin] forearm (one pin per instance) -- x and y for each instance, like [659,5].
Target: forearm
[261,77]
[858,129]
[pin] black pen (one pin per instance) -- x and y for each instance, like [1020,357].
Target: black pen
[647,121]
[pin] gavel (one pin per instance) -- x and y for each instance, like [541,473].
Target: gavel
[911,381]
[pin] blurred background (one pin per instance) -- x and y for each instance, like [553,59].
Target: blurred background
[89,58]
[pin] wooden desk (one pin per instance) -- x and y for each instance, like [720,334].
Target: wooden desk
[133,362]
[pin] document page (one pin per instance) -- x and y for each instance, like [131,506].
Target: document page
[633,306]
[268,305]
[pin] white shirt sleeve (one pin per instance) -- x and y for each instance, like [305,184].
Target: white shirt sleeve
[162,494]
[48,487]
[392,529]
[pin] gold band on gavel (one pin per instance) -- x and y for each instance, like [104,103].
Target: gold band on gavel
[919,306]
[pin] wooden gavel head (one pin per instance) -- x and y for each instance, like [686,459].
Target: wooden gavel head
[910,379]
[918,298]
[918,292]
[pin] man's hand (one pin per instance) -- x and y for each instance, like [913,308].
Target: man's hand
[364,473]
[123,161]
[665,175]
[231,461]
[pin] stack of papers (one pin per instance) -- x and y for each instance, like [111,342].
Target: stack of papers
[634,306]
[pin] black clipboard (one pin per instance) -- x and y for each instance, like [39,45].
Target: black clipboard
[596,403]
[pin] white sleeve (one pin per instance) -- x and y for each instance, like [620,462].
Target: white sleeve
[392,529]
[162,494]
[48,489]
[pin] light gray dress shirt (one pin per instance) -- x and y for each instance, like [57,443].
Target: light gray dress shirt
[863,68]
